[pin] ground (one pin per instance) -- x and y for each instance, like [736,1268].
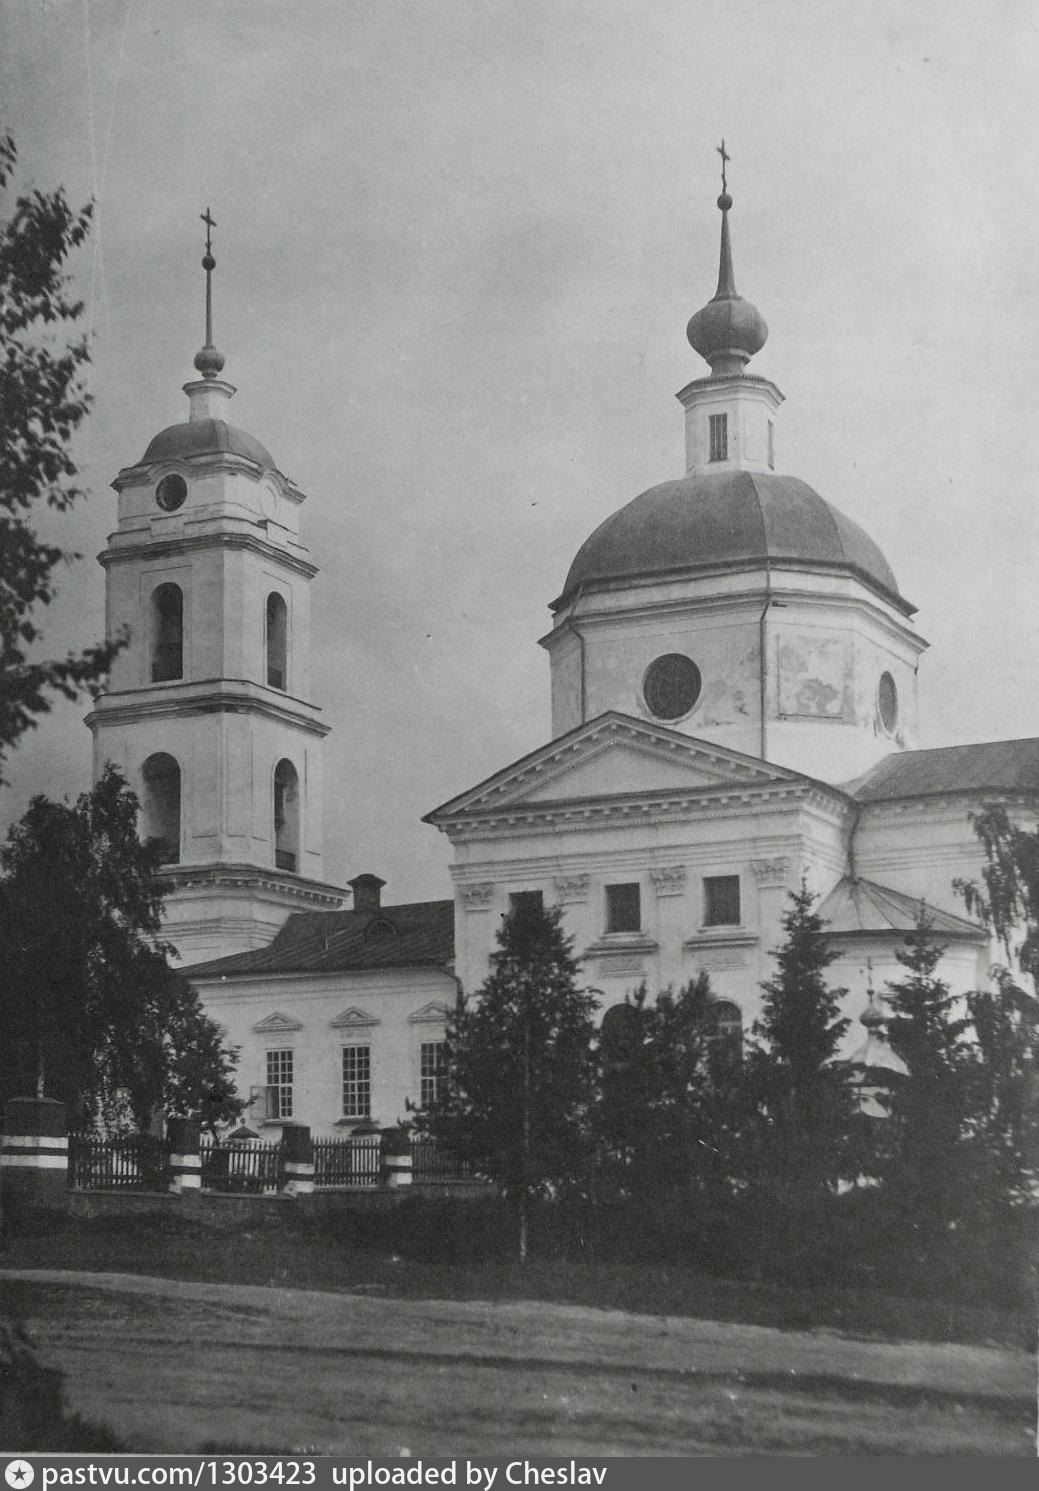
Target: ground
[178,1365]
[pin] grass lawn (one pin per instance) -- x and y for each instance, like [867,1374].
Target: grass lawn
[308,1257]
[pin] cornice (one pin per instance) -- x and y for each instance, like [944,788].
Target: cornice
[230,696]
[165,548]
[252,878]
[620,945]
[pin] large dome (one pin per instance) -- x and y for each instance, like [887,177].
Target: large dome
[204,437]
[728,520]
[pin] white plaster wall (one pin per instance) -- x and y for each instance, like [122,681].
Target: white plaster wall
[391,999]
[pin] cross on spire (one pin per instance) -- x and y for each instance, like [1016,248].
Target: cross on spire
[726,157]
[209,361]
[210,222]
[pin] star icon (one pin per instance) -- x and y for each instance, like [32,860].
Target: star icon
[19,1473]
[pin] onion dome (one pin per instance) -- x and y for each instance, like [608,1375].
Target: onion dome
[727,520]
[729,330]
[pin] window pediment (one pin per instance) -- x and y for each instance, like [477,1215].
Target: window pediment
[353,1019]
[433,1013]
[277,1024]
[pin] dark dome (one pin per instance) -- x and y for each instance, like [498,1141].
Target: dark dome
[728,519]
[203,437]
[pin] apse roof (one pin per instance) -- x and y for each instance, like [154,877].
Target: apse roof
[728,520]
[205,437]
[418,935]
[990,766]
[856,906]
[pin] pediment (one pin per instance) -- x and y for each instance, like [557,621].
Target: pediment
[353,1019]
[430,1014]
[616,756]
[277,1024]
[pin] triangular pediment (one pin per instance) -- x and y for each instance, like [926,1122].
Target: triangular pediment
[353,1019]
[277,1024]
[430,1014]
[616,756]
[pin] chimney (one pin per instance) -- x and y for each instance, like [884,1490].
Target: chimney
[367,893]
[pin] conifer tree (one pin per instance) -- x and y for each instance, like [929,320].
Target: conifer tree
[519,1070]
[800,1089]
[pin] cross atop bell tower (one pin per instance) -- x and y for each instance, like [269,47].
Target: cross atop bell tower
[207,711]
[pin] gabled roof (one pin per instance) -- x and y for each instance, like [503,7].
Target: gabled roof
[996,766]
[616,758]
[858,907]
[418,935]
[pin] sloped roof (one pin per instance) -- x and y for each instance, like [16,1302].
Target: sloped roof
[205,437]
[857,906]
[989,766]
[418,935]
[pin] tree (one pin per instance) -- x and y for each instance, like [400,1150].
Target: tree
[924,1166]
[43,402]
[518,1066]
[90,1010]
[801,1091]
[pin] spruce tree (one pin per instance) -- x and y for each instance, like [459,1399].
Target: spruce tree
[519,1069]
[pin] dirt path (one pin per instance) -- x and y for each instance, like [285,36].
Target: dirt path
[174,1365]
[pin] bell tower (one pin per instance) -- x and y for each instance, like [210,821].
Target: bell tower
[207,711]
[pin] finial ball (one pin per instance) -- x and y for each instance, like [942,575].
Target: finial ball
[208,262]
[725,201]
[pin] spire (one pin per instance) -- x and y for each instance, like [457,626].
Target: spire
[728,330]
[209,361]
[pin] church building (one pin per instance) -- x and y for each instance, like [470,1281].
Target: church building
[733,709]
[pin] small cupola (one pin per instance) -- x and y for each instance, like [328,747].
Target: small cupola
[367,892]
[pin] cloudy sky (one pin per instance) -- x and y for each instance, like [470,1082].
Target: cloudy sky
[458,244]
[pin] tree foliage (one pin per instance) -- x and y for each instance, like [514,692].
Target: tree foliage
[90,1010]
[801,1092]
[518,1065]
[43,401]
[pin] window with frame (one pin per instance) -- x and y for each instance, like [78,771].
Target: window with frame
[279,1083]
[721,901]
[725,1029]
[432,1070]
[719,437]
[522,902]
[357,1081]
[624,908]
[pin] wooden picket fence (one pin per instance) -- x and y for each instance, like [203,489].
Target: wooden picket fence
[134,1162]
[245,1167]
[348,1162]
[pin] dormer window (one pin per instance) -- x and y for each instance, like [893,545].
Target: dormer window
[719,433]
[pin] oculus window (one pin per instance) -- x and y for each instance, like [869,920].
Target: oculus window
[671,686]
[721,901]
[887,702]
[624,908]
[171,492]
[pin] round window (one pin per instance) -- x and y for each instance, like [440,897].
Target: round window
[671,686]
[887,700]
[171,492]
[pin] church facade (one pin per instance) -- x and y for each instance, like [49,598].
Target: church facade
[734,710]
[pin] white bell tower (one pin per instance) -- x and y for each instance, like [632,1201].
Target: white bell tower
[207,710]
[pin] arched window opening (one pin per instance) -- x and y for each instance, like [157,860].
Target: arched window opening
[167,633]
[277,641]
[286,816]
[725,1021]
[160,806]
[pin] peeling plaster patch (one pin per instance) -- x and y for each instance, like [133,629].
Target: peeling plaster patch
[815,677]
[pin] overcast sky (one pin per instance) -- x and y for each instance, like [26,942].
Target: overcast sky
[458,244]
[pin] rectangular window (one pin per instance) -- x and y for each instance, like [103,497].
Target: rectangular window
[526,900]
[623,908]
[771,445]
[721,901]
[357,1081]
[431,1072]
[719,437]
[279,1084]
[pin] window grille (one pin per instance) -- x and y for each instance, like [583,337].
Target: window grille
[721,896]
[623,908]
[357,1081]
[719,437]
[431,1072]
[279,1083]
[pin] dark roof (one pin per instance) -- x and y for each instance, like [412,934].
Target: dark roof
[204,437]
[728,519]
[991,766]
[419,935]
[862,906]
